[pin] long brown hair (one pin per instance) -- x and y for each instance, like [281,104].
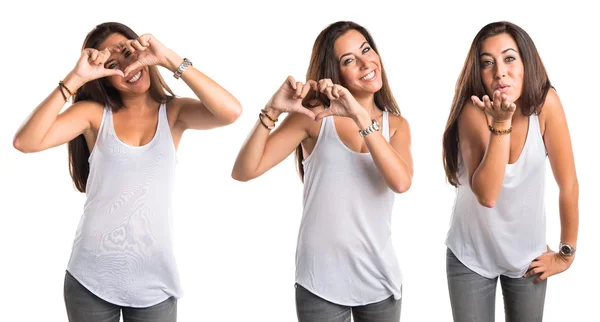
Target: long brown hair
[535,86]
[324,64]
[100,90]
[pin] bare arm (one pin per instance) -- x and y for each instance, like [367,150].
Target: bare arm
[393,159]
[263,150]
[45,128]
[485,154]
[560,153]
[214,107]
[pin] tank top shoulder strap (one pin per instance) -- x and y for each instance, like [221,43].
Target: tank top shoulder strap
[535,132]
[385,127]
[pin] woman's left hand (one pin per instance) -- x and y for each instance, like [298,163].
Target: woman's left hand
[146,51]
[342,101]
[548,264]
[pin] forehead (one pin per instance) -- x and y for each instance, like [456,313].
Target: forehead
[348,42]
[498,43]
[112,40]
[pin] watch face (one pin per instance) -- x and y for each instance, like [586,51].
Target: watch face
[566,250]
[376,125]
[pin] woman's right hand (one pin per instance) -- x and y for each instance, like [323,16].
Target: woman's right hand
[499,109]
[288,98]
[90,65]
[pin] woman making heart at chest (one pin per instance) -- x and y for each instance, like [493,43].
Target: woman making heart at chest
[353,153]
[123,130]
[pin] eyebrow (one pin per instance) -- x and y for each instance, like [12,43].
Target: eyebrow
[346,54]
[503,52]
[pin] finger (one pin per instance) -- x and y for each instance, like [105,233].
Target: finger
[324,83]
[505,104]
[323,114]
[93,55]
[136,44]
[329,92]
[305,90]
[314,85]
[134,66]
[291,81]
[534,264]
[535,271]
[336,92]
[298,92]
[478,103]
[497,100]
[113,72]
[541,277]
[487,102]
[101,58]
[145,40]
[305,111]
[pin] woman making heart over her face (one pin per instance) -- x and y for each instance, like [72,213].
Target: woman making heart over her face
[123,130]
[353,153]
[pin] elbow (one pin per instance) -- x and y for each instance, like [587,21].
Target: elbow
[234,114]
[487,202]
[21,146]
[401,187]
[240,176]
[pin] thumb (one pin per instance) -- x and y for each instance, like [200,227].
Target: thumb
[323,114]
[113,72]
[132,67]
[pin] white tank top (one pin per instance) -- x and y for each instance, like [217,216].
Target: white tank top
[123,246]
[345,253]
[505,239]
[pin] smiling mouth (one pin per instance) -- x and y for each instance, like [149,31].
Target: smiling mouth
[369,76]
[135,77]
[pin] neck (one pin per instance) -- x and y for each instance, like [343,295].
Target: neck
[368,103]
[138,103]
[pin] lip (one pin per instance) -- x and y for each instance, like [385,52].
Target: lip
[141,71]
[374,71]
[502,88]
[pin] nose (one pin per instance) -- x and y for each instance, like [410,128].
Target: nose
[363,63]
[500,71]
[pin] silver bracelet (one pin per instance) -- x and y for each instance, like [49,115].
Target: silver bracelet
[184,65]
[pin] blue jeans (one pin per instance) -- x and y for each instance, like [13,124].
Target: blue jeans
[311,308]
[83,306]
[473,297]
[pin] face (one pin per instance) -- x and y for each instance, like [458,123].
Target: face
[137,82]
[501,66]
[359,64]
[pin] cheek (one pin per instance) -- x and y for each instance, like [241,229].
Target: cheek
[114,81]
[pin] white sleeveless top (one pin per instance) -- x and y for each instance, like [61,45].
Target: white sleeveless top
[505,239]
[345,253]
[123,246]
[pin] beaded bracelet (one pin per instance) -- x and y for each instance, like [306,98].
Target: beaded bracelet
[260,117]
[500,132]
[264,111]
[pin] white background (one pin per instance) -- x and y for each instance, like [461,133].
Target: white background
[235,242]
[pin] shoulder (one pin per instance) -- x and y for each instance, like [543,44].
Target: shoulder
[398,124]
[551,103]
[89,110]
[550,110]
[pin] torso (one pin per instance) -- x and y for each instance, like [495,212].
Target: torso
[135,130]
[347,131]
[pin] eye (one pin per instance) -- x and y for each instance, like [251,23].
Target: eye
[348,61]
[486,63]
[366,50]
[509,59]
[111,65]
